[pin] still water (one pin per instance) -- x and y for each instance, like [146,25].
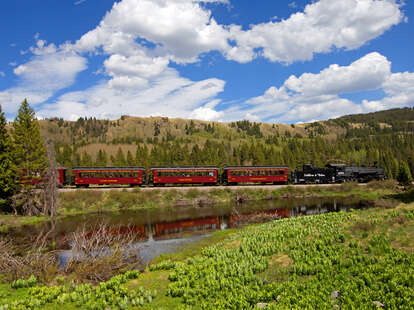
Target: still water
[168,230]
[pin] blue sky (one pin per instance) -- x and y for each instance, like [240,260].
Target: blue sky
[224,60]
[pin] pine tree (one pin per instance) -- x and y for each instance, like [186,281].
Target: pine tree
[8,169]
[30,155]
[120,158]
[101,159]
[404,174]
[86,159]
[130,159]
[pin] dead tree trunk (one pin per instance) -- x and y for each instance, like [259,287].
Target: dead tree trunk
[49,190]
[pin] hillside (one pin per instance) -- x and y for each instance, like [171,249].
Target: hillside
[383,137]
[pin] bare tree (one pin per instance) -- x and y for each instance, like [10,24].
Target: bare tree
[101,251]
[49,188]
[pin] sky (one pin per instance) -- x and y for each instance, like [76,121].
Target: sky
[219,60]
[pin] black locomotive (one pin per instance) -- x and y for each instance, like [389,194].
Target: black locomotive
[336,173]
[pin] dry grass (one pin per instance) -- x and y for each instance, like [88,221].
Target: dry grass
[364,226]
[233,244]
[280,260]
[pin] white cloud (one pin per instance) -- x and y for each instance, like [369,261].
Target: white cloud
[323,25]
[10,99]
[180,29]
[207,113]
[317,96]
[293,5]
[167,95]
[2,74]
[51,72]
[400,90]
[48,71]
[367,73]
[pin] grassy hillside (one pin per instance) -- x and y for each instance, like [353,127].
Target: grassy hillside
[132,130]
[384,137]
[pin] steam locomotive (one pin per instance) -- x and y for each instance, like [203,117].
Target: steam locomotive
[336,173]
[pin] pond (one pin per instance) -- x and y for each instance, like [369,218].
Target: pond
[167,230]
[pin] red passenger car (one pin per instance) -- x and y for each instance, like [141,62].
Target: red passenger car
[255,174]
[37,178]
[211,223]
[184,175]
[85,176]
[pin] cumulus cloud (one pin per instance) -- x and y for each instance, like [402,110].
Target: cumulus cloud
[400,93]
[167,95]
[318,96]
[48,71]
[321,26]
[367,73]
[181,30]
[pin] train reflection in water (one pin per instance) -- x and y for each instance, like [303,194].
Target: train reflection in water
[167,231]
[236,218]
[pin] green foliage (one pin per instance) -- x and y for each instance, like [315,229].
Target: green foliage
[165,265]
[404,173]
[20,283]
[8,168]
[251,129]
[314,256]
[112,294]
[30,157]
[119,158]
[30,150]
[101,159]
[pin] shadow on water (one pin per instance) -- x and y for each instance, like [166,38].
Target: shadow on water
[168,230]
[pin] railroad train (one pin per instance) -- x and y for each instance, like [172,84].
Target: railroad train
[212,175]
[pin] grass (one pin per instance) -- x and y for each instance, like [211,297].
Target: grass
[363,230]
[9,221]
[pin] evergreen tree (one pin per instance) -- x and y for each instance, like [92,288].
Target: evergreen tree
[120,158]
[130,159]
[8,169]
[101,159]
[30,157]
[404,174]
[86,159]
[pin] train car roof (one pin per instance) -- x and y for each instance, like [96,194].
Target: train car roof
[335,165]
[255,167]
[184,167]
[108,168]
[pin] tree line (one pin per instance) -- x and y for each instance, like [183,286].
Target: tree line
[23,153]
